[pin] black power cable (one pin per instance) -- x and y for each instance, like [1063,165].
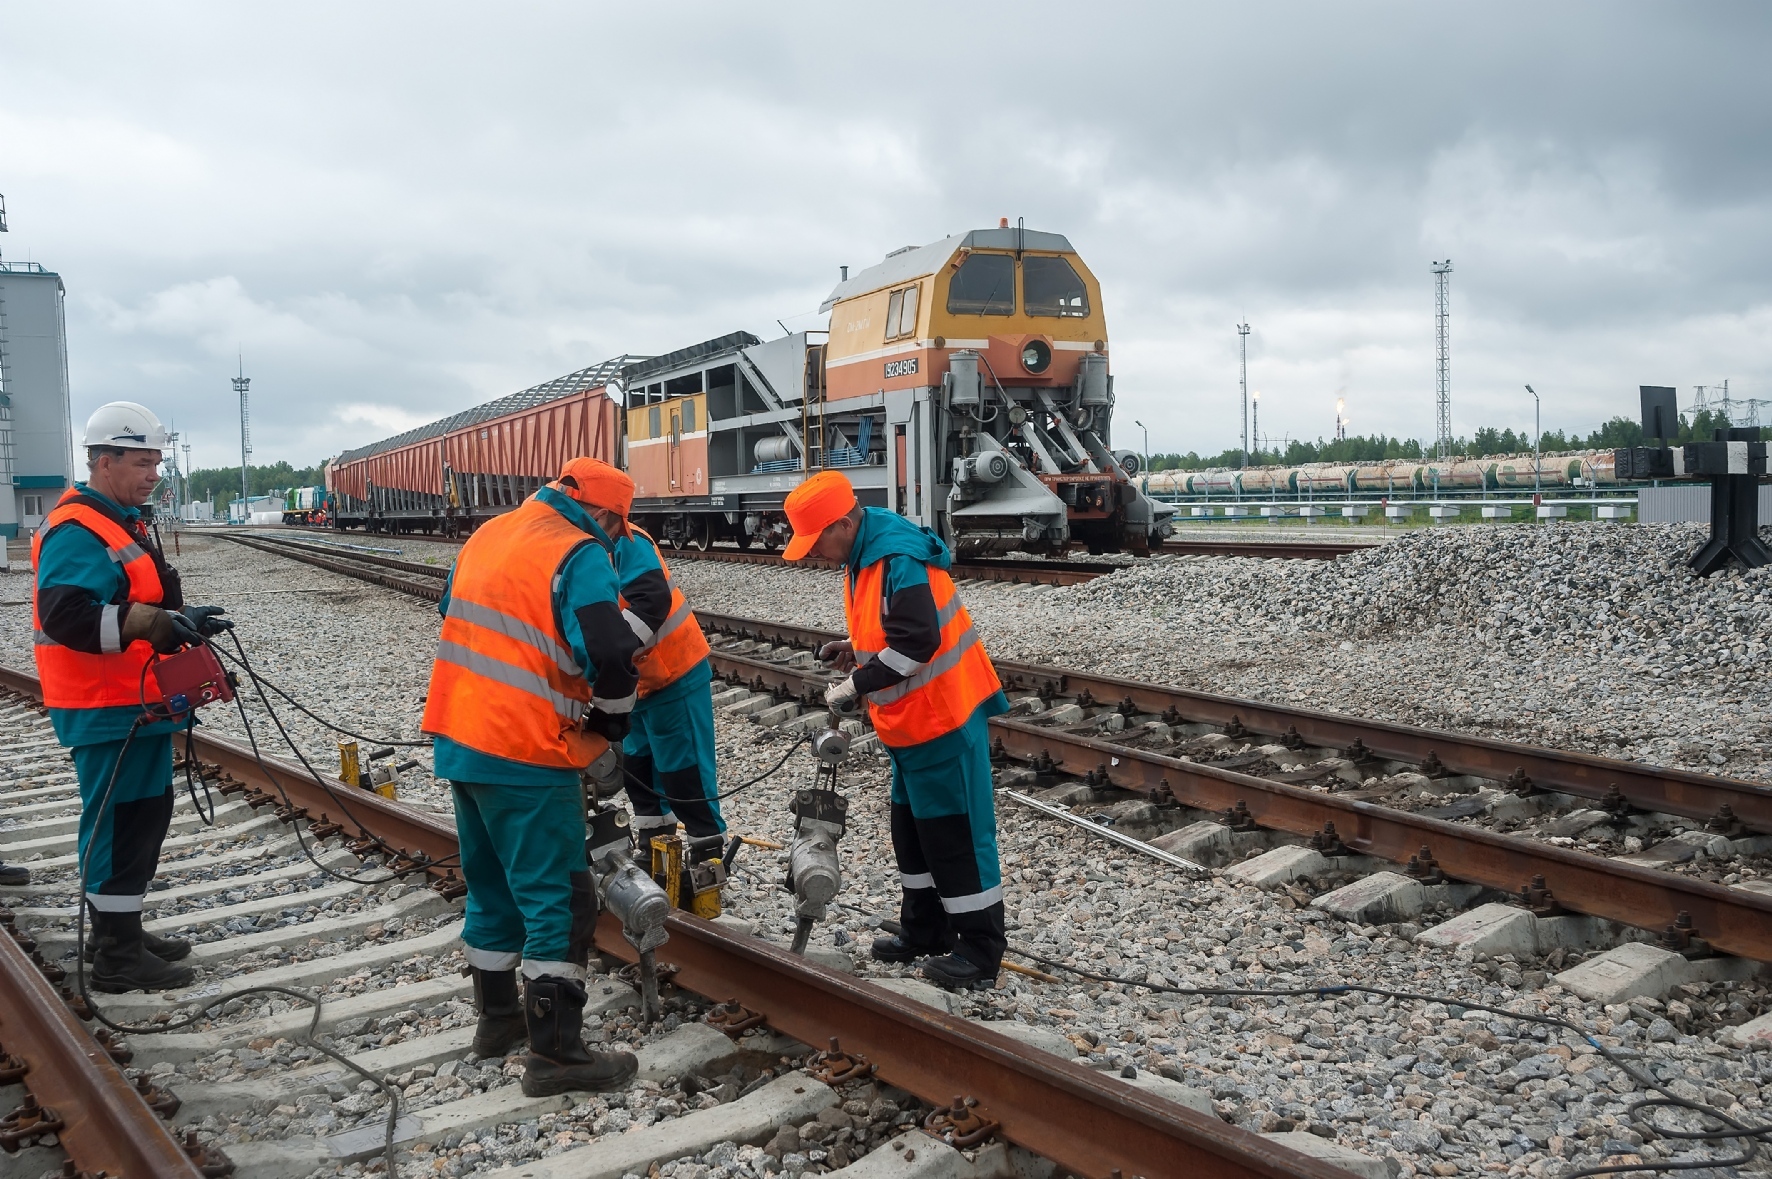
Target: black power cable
[1752,1136]
[653,790]
[193,1016]
[261,682]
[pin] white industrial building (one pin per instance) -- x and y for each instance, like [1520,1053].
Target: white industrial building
[36,440]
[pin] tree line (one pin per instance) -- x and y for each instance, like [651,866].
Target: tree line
[223,483]
[1485,443]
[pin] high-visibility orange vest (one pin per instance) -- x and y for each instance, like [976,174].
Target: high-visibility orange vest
[677,645]
[505,682]
[943,694]
[76,679]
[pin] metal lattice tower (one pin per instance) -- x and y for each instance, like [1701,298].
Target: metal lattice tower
[1243,377]
[1443,393]
[241,383]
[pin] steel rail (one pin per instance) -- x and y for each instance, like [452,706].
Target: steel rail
[106,1125]
[296,546]
[1585,775]
[1291,550]
[1732,920]
[1074,1116]
[979,569]
[432,592]
[1067,1113]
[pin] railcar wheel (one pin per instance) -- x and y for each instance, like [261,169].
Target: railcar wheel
[701,536]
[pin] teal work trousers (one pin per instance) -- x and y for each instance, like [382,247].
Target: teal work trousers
[669,752]
[120,839]
[523,857]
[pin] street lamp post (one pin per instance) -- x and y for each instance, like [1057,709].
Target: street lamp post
[1145,466]
[1537,434]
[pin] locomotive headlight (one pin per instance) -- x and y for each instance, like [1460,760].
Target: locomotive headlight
[1036,355]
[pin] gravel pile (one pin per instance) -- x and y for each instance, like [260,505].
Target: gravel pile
[1582,636]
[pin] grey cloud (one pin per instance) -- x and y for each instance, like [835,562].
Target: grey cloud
[413,207]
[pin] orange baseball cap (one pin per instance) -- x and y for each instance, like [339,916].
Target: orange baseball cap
[814,506]
[596,484]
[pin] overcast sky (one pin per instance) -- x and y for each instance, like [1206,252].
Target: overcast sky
[398,210]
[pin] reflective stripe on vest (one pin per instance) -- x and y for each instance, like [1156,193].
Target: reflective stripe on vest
[80,679]
[517,629]
[505,682]
[943,694]
[674,647]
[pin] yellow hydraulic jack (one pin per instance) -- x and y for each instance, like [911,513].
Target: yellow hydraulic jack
[383,779]
[691,875]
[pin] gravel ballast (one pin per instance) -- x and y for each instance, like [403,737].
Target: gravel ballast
[1589,637]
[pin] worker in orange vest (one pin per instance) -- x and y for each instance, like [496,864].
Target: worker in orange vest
[913,655]
[669,749]
[106,605]
[533,680]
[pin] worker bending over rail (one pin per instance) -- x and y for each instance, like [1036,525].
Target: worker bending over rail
[106,605]
[533,679]
[670,743]
[931,691]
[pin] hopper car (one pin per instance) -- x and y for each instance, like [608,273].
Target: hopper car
[963,384]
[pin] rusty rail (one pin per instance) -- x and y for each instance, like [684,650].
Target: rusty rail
[1732,920]
[430,591]
[1074,1116]
[1290,550]
[1646,787]
[106,1125]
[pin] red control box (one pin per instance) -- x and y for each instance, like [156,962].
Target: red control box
[192,678]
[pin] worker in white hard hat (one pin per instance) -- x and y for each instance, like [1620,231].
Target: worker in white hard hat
[106,606]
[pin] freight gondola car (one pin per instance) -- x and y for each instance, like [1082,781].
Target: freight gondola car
[963,384]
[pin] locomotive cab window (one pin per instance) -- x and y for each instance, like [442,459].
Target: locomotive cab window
[901,313]
[1049,286]
[652,422]
[689,416]
[983,285]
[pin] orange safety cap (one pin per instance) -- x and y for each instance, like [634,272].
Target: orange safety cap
[814,506]
[596,484]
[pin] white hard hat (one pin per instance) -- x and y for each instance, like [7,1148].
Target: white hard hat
[126,425]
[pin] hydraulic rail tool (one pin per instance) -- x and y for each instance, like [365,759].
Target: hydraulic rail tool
[634,897]
[815,875]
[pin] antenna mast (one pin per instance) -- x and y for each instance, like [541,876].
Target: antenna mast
[1243,371]
[241,383]
[1443,395]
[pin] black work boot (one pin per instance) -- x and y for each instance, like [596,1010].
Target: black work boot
[957,972]
[501,1026]
[13,874]
[558,1061]
[167,949]
[896,949]
[123,963]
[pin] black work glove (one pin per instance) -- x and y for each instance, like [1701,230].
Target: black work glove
[611,726]
[207,620]
[163,630]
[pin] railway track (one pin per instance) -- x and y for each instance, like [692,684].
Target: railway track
[381,959]
[1016,571]
[1249,770]
[1452,808]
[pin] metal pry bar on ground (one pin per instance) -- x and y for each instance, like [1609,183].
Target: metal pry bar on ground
[1137,845]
